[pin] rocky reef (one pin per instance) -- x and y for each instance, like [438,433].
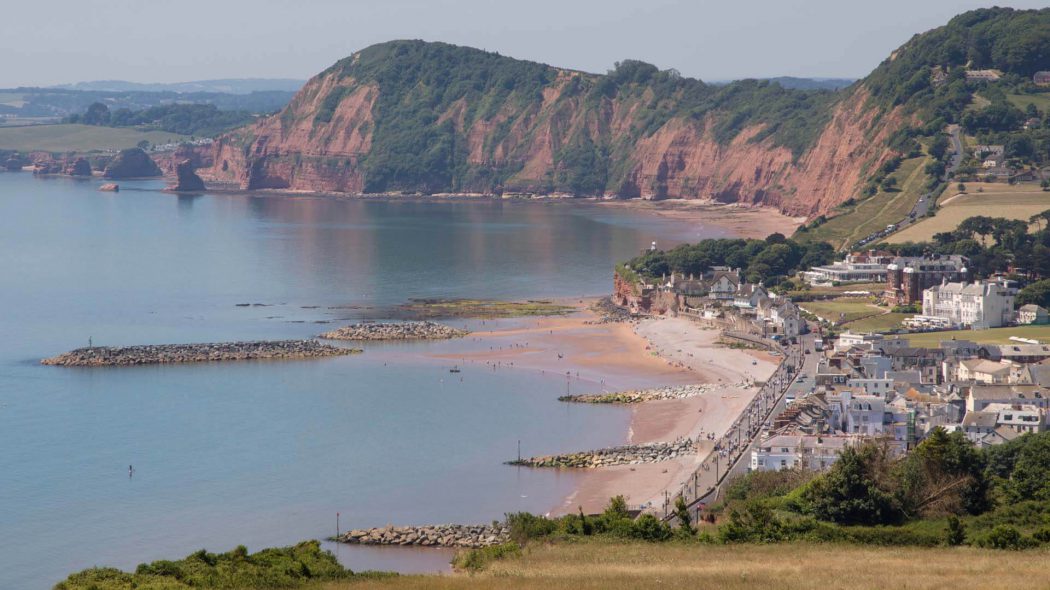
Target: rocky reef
[623,455]
[131,163]
[100,356]
[441,535]
[635,396]
[186,179]
[395,331]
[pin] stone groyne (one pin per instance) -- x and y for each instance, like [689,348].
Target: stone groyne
[624,455]
[395,331]
[635,396]
[99,356]
[441,535]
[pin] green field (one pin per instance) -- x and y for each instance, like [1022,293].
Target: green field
[876,212]
[1019,202]
[886,322]
[846,309]
[992,336]
[1041,101]
[79,138]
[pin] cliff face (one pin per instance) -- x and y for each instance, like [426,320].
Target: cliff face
[568,133]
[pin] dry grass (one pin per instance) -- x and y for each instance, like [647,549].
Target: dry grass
[997,200]
[613,566]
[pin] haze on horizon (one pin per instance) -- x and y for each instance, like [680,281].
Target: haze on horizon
[81,40]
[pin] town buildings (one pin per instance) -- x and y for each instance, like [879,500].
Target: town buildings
[867,267]
[981,304]
[908,277]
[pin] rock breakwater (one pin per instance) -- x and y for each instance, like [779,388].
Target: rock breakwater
[635,396]
[395,331]
[99,356]
[441,535]
[623,455]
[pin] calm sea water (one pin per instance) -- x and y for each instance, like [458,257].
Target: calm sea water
[266,454]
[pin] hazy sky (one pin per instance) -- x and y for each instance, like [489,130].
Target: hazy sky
[57,41]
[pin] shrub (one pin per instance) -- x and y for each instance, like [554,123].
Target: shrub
[1005,537]
[648,528]
[477,559]
[751,523]
[956,534]
[524,526]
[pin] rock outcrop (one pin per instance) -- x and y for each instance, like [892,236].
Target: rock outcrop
[100,356]
[186,180]
[395,331]
[442,535]
[623,455]
[15,162]
[131,163]
[78,167]
[110,187]
[636,396]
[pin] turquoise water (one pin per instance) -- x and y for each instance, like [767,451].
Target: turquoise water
[259,453]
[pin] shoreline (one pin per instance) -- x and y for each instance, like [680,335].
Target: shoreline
[614,356]
[741,220]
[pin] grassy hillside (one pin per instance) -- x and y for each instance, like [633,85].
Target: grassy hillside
[876,212]
[81,138]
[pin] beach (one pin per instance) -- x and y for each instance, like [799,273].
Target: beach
[609,357]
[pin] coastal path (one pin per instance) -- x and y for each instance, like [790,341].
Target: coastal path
[731,452]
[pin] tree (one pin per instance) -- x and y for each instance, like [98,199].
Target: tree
[96,114]
[1037,293]
[852,491]
[681,512]
[143,145]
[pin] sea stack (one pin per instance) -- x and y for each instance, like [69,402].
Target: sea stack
[131,163]
[187,179]
[79,167]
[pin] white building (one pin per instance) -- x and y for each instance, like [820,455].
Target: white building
[869,267]
[1031,314]
[871,386]
[1019,417]
[785,451]
[981,304]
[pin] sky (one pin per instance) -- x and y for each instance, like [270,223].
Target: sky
[63,41]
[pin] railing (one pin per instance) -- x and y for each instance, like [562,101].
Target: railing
[706,481]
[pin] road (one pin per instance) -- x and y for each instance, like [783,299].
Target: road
[922,206]
[731,453]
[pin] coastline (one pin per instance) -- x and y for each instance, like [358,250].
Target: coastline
[745,221]
[612,357]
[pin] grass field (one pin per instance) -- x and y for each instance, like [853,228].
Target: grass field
[1041,101]
[992,336]
[797,566]
[878,211]
[845,309]
[1016,203]
[12,99]
[880,323]
[80,138]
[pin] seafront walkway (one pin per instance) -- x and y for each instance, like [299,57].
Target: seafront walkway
[731,452]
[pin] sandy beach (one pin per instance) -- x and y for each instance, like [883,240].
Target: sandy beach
[617,356]
[744,221]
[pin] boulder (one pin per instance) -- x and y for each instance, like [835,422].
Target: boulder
[187,179]
[78,167]
[110,187]
[132,163]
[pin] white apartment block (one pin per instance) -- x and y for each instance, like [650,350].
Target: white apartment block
[981,304]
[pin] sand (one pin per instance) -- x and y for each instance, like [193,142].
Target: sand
[617,356]
[743,221]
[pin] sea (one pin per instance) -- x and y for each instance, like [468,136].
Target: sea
[119,466]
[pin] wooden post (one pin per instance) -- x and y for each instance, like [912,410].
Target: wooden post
[336,525]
